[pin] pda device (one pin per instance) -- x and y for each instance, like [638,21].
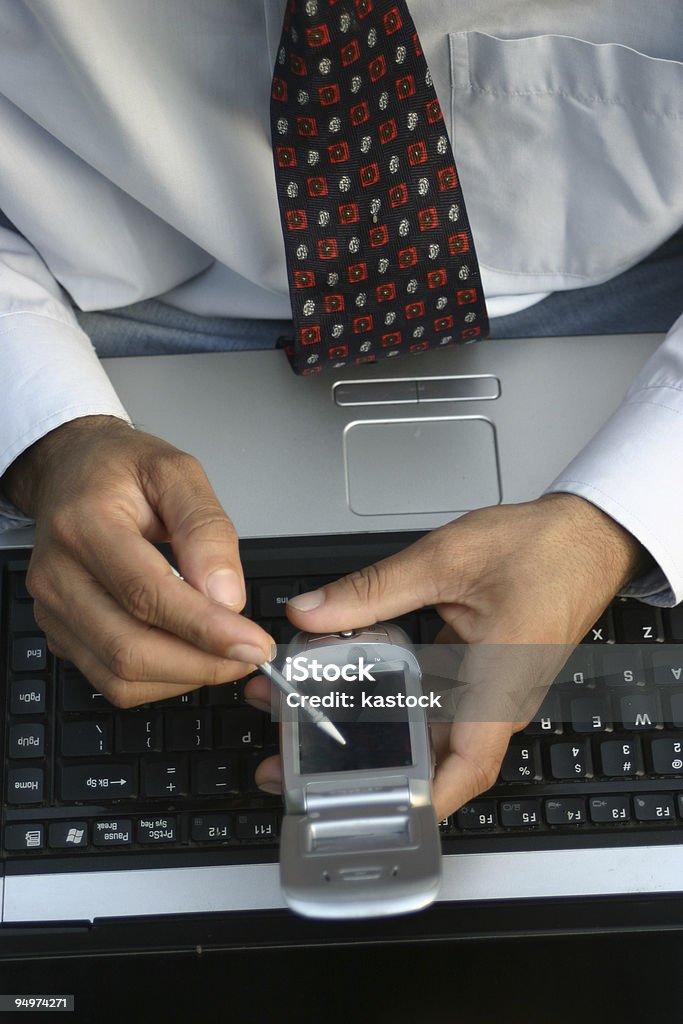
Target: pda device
[359,837]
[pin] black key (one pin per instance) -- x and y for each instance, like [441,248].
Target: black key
[86,738]
[213,828]
[520,813]
[641,711]
[257,825]
[241,728]
[578,670]
[667,755]
[19,590]
[30,836]
[22,618]
[667,664]
[622,665]
[570,760]
[167,777]
[409,625]
[156,831]
[76,694]
[113,832]
[25,785]
[281,630]
[98,781]
[28,697]
[68,835]
[138,732]
[636,623]
[621,759]
[27,740]
[476,815]
[676,705]
[251,763]
[601,632]
[568,810]
[654,807]
[185,700]
[548,719]
[270,599]
[590,714]
[609,810]
[214,776]
[29,654]
[521,763]
[227,694]
[188,731]
[673,620]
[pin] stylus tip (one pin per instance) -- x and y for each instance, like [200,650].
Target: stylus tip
[332,731]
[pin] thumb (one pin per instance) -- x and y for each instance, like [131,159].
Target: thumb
[381,591]
[202,536]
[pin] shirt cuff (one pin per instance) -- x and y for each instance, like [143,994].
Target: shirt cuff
[56,377]
[632,470]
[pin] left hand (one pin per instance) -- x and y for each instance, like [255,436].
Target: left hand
[538,573]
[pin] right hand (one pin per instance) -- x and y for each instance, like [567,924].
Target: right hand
[102,495]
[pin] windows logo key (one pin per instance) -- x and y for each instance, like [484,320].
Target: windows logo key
[75,836]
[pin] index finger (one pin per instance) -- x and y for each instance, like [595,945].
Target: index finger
[141,580]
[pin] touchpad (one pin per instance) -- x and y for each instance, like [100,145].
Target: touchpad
[395,467]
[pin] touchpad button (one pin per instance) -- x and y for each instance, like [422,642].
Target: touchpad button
[421,466]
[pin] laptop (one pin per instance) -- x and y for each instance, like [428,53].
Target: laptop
[322,475]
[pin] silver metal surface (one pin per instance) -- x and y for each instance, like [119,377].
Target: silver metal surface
[527,874]
[382,392]
[457,389]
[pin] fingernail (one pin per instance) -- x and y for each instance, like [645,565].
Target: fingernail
[246,653]
[307,602]
[226,587]
[271,787]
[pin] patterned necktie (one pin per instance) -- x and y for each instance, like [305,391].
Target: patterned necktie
[380,258]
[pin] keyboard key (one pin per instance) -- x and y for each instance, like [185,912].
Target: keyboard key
[19,590]
[667,756]
[271,599]
[590,714]
[621,759]
[29,654]
[98,781]
[601,632]
[548,719]
[430,625]
[570,760]
[227,694]
[578,670]
[676,706]
[156,831]
[641,711]
[18,838]
[566,811]
[636,623]
[476,815]
[622,666]
[28,697]
[214,776]
[27,740]
[25,785]
[667,664]
[86,738]
[22,618]
[184,700]
[76,694]
[673,621]
[167,777]
[522,763]
[68,835]
[654,807]
[211,828]
[138,732]
[189,731]
[609,810]
[114,832]
[520,813]
[241,728]
[257,825]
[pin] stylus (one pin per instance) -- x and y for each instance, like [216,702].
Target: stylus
[317,717]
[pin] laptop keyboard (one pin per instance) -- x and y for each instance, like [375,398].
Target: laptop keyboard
[604,755]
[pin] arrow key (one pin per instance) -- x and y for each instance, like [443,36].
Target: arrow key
[98,781]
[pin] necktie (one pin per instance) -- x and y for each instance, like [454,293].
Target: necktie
[380,257]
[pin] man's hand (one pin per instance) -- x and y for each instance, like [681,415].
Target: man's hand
[102,495]
[539,573]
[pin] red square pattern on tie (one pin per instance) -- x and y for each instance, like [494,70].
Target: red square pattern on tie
[379,252]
